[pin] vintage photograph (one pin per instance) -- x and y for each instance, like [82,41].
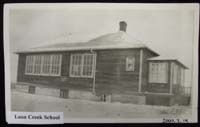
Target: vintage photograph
[103,61]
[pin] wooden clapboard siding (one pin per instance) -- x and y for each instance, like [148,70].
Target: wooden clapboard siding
[158,87]
[64,80]
[145,69]
[65,64]
[21,67]
[111,74]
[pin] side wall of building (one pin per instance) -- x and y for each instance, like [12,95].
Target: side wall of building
[111,74]
[62,81]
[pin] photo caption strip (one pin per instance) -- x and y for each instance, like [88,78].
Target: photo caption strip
[35,118]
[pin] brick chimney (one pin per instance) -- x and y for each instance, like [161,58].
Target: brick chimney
[122,26]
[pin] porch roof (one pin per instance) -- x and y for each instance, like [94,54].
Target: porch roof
[168,59]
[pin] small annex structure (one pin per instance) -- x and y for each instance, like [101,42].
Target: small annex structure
[112,67]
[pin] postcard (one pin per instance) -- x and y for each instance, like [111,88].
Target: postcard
[101,63]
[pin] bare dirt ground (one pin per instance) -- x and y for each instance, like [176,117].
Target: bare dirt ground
[74,108]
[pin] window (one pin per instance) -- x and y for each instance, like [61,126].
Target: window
[76,65]
[158,72]
[175,74]
[55,64]
[82,65]
[43,65]
[87,65]
[130,63]
[29,64]
[46,64]
[37,64]
[182,76]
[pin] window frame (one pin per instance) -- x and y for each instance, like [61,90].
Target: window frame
[42,64]
[71,61]
[42,71]
[126,64]
[175,74]
[182,77]
[157,79]
[59,65]
[26,65]
[36,65]
[82,65]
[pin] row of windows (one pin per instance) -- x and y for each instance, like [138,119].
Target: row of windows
[82,65]
[43,65]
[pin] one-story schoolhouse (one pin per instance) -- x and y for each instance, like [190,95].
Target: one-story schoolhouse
[114,68]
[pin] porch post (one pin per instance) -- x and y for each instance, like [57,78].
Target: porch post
[140,71]
[171,78]
[94,73]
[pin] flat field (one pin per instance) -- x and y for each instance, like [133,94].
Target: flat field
[74,108]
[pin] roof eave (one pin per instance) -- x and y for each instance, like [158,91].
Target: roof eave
[86,48]
[177,61]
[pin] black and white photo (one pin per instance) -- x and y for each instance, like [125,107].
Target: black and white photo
[102,62]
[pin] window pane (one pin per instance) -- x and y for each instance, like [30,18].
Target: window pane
[46,64]
[37,64]
[76,65]
[150,72]
[29,64]
[182,76]
[175,74]
[87,65]
[163,73]
[55,65]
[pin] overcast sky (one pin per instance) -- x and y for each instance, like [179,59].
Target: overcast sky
[167,30]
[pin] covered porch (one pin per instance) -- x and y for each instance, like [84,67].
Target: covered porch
[166,81]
